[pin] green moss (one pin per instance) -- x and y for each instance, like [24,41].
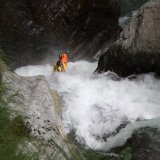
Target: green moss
[76,154]
[15,140]
[18,127]
[2,55]
[4,60]
[94,156]
[126,154]
[9,142]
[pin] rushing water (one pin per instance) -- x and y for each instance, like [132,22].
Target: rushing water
[95,106]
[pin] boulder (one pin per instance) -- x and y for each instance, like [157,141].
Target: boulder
[36,110]
[137,51]
[31,31]
[146,144]
[39,106]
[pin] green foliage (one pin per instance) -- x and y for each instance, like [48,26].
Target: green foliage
[126,154]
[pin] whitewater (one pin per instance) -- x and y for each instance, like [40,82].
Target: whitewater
[102,109]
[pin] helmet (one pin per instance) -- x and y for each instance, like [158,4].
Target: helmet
[64,53]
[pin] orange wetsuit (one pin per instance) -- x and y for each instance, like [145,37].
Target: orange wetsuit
[64,60]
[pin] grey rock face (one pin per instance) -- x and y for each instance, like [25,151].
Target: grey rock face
[137,50]
[143,34]
[146,144]
[39,107]
[30,29]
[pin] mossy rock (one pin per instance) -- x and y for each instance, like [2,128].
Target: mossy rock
[3,67]
[126,154]
[19,128]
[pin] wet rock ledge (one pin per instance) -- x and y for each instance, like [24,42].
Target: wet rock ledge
[138,49]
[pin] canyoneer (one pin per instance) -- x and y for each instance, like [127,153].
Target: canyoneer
[61,63]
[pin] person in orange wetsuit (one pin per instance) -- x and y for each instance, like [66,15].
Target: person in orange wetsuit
[64,61]
[61,64]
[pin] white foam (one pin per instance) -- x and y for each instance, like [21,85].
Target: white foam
[95,105]
[123,21]
[126,133]
[45,70]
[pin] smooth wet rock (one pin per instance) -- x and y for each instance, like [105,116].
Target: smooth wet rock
[137,51]
[35,102]
[146,144]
